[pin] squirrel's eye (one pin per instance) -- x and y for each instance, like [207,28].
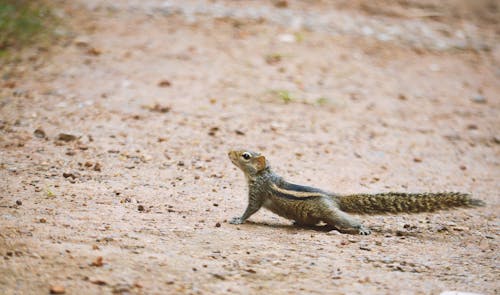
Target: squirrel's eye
[246,155]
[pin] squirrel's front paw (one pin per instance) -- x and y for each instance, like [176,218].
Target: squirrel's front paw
[364,231]
[236,220]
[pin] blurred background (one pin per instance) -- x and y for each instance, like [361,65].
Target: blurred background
[116,118]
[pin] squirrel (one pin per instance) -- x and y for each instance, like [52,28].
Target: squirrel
[308,206]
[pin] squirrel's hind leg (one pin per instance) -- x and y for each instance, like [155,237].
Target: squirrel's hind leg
[344,222]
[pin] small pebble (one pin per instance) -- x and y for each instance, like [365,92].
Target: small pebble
[334,233]
[68,174]
[479,98]
[97,167]
[19,202]
[66,137]
[164,83]
[364,248]
[39,133]
[57,289]
[441,228]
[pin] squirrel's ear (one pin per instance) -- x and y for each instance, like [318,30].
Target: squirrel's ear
[260,163]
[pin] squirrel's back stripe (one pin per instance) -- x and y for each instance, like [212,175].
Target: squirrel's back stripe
[300,194]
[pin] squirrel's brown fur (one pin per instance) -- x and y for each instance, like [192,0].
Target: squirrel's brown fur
[308,206]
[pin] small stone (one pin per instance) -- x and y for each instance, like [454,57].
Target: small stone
[479,98]
[19,202]
[9,84]
[39,133]
[68,174]
[364,248]
[286,38]
[218,276]
[400,233]
[273,58]
[140,208]
[213,130]
[281,3]
[99,282]
[217,224]
[43,220]
[121,289]
[94,51]
[441,228]
[484,245]
[66,137]
[81,41]
[56,289]
[164,83]
[417,160]
[97,167]
[158,108]
[334,233]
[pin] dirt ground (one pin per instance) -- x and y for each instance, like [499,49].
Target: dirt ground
[114,172]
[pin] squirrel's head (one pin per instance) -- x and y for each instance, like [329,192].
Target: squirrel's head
[251,163]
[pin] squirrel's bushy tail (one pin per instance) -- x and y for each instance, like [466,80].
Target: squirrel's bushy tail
[393,202]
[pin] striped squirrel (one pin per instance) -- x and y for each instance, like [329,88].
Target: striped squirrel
[308,206]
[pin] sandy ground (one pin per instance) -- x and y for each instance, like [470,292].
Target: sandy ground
[154,96]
